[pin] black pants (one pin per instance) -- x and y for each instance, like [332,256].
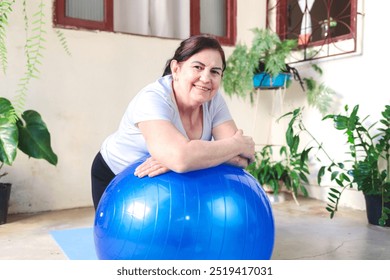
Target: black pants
[101,176]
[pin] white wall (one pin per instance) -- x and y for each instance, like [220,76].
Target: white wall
[82,97]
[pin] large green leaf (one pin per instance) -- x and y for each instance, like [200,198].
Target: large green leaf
[8,132]
[34,137]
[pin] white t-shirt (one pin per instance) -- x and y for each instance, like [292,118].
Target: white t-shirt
[154,102]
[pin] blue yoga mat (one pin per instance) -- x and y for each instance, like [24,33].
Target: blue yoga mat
[77,244]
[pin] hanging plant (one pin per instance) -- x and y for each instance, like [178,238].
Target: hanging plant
[21,129]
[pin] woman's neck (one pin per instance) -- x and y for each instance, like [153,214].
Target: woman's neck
[191,117]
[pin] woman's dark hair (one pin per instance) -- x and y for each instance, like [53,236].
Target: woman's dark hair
[193,45]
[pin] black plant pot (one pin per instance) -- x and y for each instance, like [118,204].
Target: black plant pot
[5,192]
[374,209]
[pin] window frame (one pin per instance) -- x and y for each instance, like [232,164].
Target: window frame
[108,23]
[282,30]
[231,21]
[61,19]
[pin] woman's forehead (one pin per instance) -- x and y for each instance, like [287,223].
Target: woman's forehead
[207,57]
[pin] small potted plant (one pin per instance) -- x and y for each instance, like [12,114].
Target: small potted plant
[327,27]
[289,169]
[27,133]
[261,64]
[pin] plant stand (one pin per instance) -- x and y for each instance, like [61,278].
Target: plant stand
[374,209]
[5,192]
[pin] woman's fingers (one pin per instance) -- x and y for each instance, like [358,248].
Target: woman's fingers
[151,168]
[158,171]
[239,161]
[247,143]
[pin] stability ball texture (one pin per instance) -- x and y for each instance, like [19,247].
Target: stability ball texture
[219,213]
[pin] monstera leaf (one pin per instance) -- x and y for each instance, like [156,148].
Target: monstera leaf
[28,134]
[8,132]
[34,137]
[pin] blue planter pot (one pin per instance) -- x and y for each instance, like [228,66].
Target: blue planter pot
[263,80]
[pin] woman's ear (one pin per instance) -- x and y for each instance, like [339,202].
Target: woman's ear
[174,67]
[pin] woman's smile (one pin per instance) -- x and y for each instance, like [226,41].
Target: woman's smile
[202,88]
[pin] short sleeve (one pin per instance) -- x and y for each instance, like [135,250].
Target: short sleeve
[219,110]
[150,105]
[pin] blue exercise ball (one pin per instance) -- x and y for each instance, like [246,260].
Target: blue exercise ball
[219,213]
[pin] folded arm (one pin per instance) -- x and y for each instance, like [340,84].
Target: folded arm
[170,150]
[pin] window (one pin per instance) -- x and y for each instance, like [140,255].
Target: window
[161,18]
[323,28]
[91,14]
[206,19]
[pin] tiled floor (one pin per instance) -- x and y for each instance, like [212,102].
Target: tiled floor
[303,232]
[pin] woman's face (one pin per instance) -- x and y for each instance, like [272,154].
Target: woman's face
[197,79]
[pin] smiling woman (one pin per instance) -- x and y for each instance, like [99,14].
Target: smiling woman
[179,123]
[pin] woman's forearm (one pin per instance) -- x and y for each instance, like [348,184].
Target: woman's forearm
[199,154]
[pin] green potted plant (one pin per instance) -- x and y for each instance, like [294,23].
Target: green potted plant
[289,169]
[367,165]
[27,133]
[263,65]
[257,65]
[20,129]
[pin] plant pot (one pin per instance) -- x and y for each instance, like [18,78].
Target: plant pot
[374,209]
[263,80]
[5,192]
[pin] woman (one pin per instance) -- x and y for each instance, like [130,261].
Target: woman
[174,120]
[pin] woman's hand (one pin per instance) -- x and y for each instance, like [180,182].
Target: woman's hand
[151,168]
[239,161]
[248,146]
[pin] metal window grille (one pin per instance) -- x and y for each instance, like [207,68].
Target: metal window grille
[323,28]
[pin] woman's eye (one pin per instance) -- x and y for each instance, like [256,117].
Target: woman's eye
[198,67]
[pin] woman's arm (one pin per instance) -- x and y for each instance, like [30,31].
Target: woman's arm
[171,150]
[225,130]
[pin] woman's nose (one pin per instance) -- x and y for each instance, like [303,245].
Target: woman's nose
[205,76]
